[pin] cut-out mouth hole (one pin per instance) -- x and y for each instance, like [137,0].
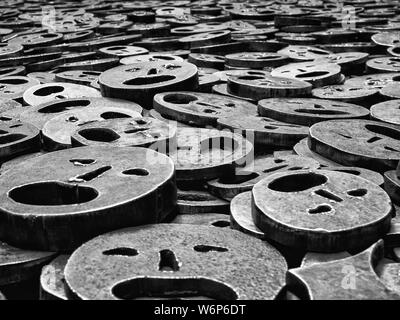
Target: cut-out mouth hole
[13,81]
[320,209]
[206,248]
[174,288]
[123,251]
[357,192]
[58,107]
[82,162]
[99,134]
[48,35]
[237,179]
[268,58]
[218,143]
[141,81]
[11,138]
[89,176]
[136,172]
[275,168]
[114,115]
[314,74]
[356,173]
[52,194]
[91,73]
[374,139]
[297,182]
[117,48]
[322,112]
[135,130]
[315,51]
[328,195]
[387,132]
[221,224]
[168,261]
[177,98]
[46,91]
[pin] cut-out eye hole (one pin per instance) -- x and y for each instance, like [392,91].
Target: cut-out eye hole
[123,251]
[206,248]
[82,162]
[221,224]
[136,172]
[357,192]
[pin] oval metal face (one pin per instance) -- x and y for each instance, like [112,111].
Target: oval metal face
[134,132]
[369,144]
[42,113]
[73,193]
[43,93]
[173,261]
[199,108]
[58,130]
[309,111]
[245,178]
[388,111]
[139,82]
[316,73]
[17,138]
[323,211]
[265,131]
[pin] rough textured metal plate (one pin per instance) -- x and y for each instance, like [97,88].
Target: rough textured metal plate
[322,211]
[84,77]
[363,143]
[265,131]
[197,201]
[207,219]
[352,278]
[134,132]
[58,130]
[304,53]
[205,154]
[392,185]
[52,281]
[256,60]
[151,57]
[384,64]
[42,113]
[74,195]
[13,87]
[207,258]
[199,109]
[42,93]
[317,74]
[141,81]
[17,265]
[123,51]
[309,111]
[245,178]
[259,87]
[388,111]
[17,138]
[302,149]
